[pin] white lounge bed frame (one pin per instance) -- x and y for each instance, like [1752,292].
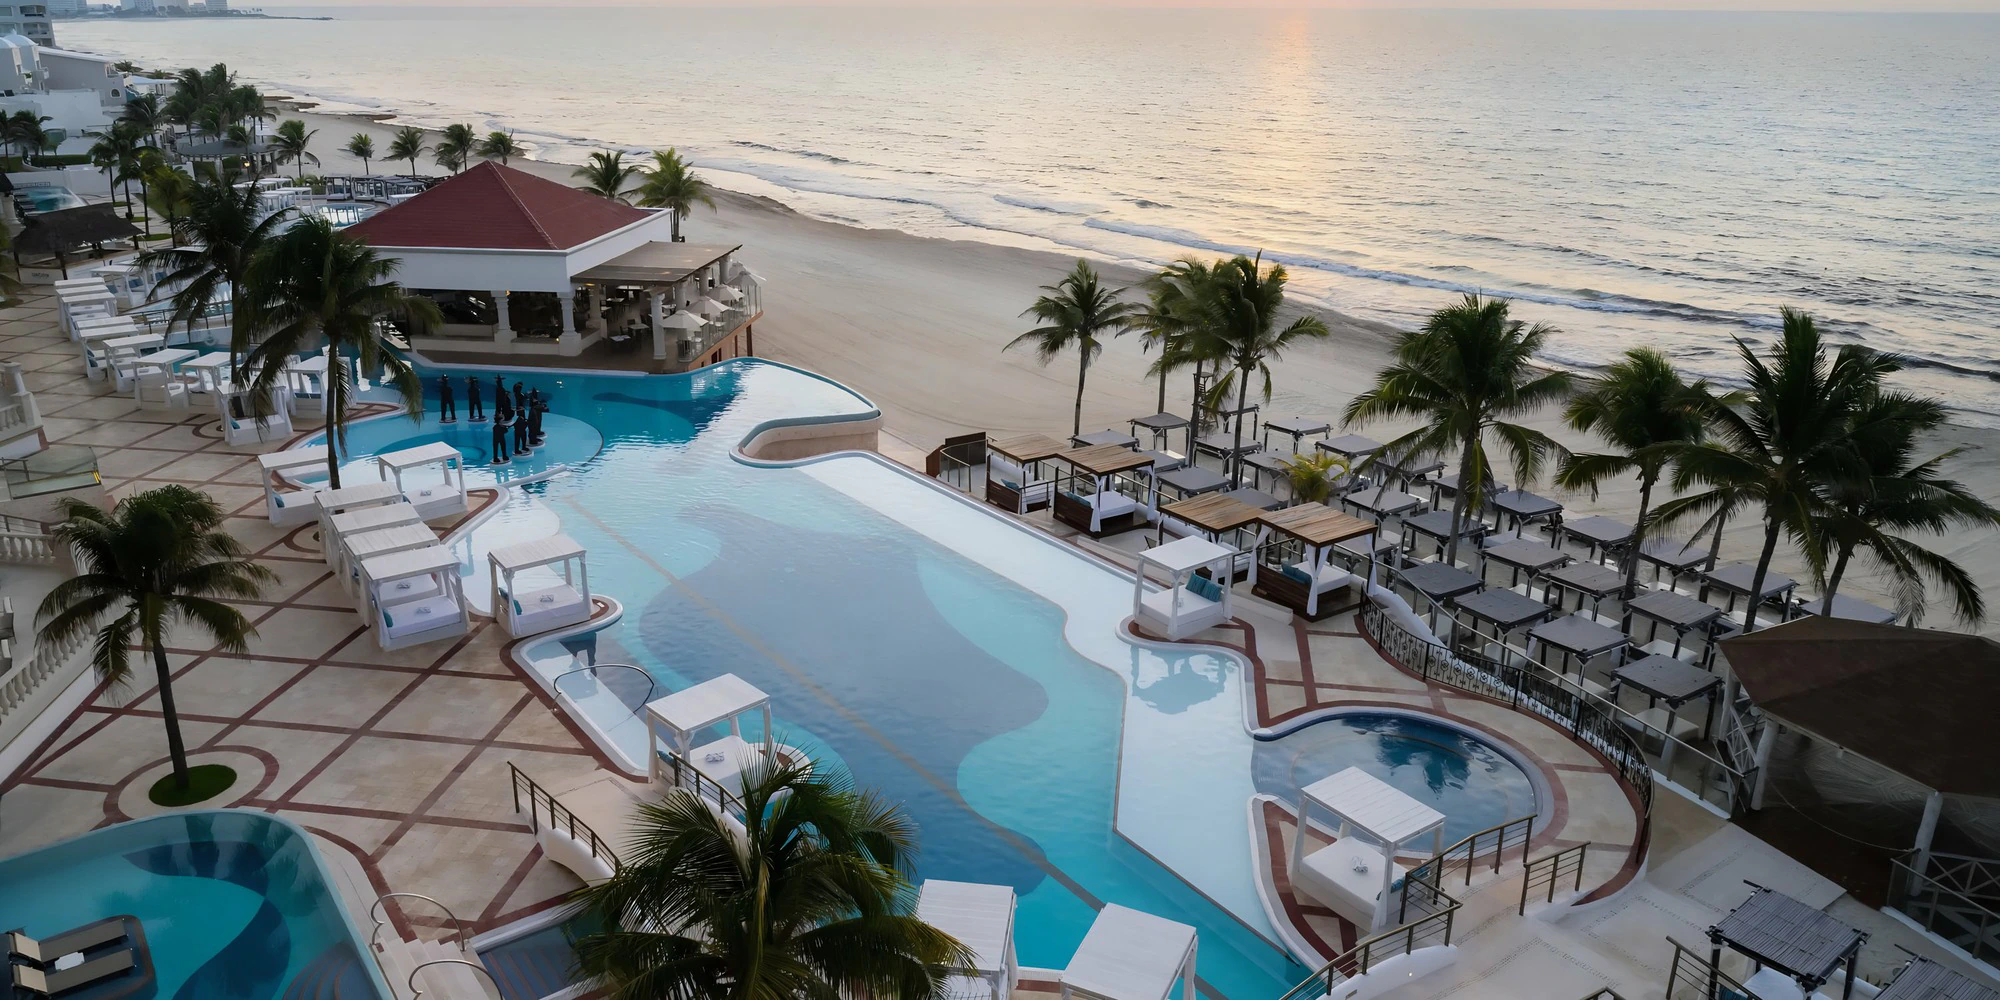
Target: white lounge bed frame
[360,546]
[339,526]
[248,429]
[1354,874]
[433,502]
[1177,610]
[544,609]
[980,917]
[347,498]
[400,621]
[284,505]
[683,715]
[1130,955]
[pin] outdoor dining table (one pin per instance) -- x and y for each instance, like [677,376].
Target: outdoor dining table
[1256,498]
[1351,446]
[1436,525]
[1851,608]
[1507,610]
[1674,557]
[1579,636]
[1440,582]
[1666,679]
[1522,506]
[168,358]
[1588,579]
[1598,532]
[1524,557]
[1104,437]
[1734,579]
[1676,611]
[1382,502]
[1297,427]
[1193,480]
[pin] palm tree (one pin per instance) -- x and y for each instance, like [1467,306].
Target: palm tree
[361,146]
[1469,369]
[144,113]
[454,147]
[1642,406]
[1793,436]
[606,175]
[168,190]
[1902,494]
[499,146]
[215,242]
[1236,313]
[158,558]
[314,284]
[1075,312]
[809,897]
[1165,319]
[293,141]
[116,152]
[671,184]
[1175,323]
[1312,477]
[407,145]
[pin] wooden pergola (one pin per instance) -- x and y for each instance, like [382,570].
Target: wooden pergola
[1100,508]
[1212,516]
[1309,530]
[1021,488]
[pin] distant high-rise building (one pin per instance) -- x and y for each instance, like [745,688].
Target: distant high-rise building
[138,6]
[68,8]
[217,6]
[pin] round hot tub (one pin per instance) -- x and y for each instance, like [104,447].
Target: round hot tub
[1461,774]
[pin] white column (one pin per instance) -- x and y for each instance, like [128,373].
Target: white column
[569,342]
[1388,879]
[1765,741]
[1926,829]
[503,331]
[659,323]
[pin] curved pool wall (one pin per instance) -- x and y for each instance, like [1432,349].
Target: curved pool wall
[955,661]
[1474,781]
[233,904]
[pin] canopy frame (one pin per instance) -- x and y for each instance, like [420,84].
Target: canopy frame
[1370,810]
[283,503]
[1179,610]
[568,604]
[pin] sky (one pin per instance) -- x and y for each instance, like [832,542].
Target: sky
[1980,6]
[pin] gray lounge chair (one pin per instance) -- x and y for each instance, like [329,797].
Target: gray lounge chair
[59,982]
[45,951]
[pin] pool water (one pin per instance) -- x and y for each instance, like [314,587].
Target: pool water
[234,905]
[1460,775]
[957,663]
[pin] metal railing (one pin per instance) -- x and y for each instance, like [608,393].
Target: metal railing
[417,991]
[541,802]
[1551,871]
[1947,901]
[953,462]
[1429,931]
[381,919]
[1692,977]
[651,685]
[1500,838]
[683,774]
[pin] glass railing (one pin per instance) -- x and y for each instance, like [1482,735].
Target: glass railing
[55,469]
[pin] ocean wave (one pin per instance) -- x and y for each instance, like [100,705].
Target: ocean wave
[810,154]
[1073,209]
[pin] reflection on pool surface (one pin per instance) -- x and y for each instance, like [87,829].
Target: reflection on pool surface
[233,905]
[961,665]
[1473,784]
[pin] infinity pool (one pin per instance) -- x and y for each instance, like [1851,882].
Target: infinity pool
[233,904]
[960,664]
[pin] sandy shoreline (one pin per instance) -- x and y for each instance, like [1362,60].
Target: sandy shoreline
[917,324]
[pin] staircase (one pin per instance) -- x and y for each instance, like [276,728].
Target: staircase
[415,968]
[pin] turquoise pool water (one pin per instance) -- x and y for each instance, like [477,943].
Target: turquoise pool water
[235,905]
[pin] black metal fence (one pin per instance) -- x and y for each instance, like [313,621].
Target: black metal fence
[1549,872]
[543,808]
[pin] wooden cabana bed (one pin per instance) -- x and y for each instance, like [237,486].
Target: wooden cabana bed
[1293,561]
[1219,518]
[1103,491]
[1016,479]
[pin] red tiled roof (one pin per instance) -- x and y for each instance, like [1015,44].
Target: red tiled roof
[497,208]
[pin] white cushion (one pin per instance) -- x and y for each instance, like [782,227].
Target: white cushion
[419,616]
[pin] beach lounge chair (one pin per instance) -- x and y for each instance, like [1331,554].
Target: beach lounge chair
[58,983]
[45,951]
[981,917]
[1129,955]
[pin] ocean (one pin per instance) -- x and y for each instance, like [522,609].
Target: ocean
[1664,178]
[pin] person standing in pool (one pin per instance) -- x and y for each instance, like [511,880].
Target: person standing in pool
[501,420]
[521,418]
[447,407]
[536,407]
[475,414]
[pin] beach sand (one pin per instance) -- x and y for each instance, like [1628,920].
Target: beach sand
[918,325]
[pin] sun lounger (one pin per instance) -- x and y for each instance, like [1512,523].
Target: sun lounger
[981,917]
[44,952]
[62,982]
[410,618]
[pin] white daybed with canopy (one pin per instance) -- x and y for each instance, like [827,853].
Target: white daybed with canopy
[360,546]
[95,334]
[289,506]
[433,502]
[208,373]
[1015,478]
[355,522]
[1294,565]
[413,597]
[250,429]
[348,498]
[1355,874]
[536,611]
[306,378]
[74,305]
[1190,603]
[681,716]
[1131,955]
[1090,498]
[980,917]
[119,354]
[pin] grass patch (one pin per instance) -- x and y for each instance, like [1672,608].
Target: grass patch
[205,781]
[155,238]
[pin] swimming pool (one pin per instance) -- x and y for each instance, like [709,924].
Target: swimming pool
[958,663]
[233,904]
[1472,782]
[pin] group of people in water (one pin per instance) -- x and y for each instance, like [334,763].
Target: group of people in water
[518,414]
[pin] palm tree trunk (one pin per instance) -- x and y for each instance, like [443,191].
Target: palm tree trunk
[1459,503]
[336,406]
[1082,369]
[175,748]
[145,195]
[1715,547]
[1763,567]
[1236,449]
[1833,582]
[677,224]
[1646,481]
[1163,392]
